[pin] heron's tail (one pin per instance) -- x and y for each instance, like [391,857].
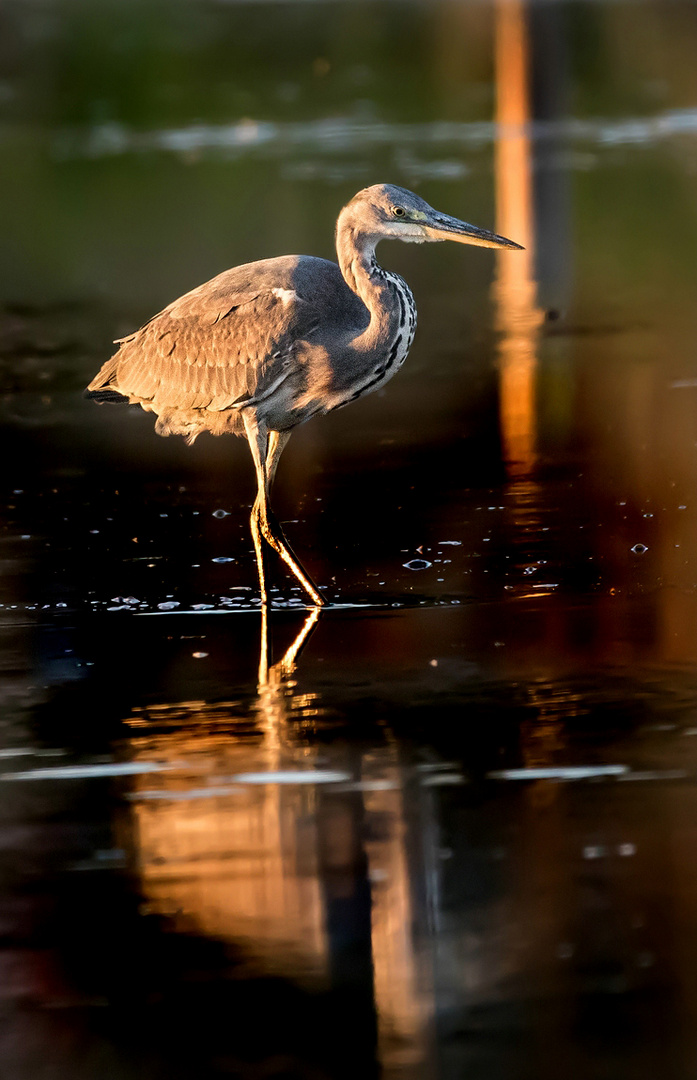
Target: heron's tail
[101,388]
[106,394]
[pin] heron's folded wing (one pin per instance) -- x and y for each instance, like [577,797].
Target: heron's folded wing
[211,349]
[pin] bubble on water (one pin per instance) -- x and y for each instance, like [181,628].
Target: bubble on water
[223,559]
[221,513]
[416,564]
[168,605]
[593,851]
[639,549]
[199,655]
[201,607]
[626,850]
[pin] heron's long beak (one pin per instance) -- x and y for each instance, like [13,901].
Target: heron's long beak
[449,228]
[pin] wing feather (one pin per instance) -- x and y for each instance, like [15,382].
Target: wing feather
[212,349]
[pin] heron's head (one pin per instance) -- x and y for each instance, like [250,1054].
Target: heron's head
[385,211]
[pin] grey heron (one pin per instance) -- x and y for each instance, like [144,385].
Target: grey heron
[265,346]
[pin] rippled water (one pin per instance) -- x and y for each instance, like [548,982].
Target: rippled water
[445,827]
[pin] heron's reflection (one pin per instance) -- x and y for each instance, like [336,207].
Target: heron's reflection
[259,834]
[278,674]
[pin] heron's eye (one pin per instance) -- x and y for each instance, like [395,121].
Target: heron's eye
[399,211]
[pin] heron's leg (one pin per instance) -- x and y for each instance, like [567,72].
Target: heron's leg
[270,455]
[262,520]
[258,443]
[259,552]
[277,443]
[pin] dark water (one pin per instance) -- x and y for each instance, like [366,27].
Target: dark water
[447,827]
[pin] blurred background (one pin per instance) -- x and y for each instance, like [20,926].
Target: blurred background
[447,828]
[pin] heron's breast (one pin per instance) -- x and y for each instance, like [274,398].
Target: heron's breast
[389,360]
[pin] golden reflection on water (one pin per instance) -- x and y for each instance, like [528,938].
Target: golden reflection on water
[258,863]
[518,318]
[543,735]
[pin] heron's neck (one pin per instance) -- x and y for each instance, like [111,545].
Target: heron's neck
[356,254]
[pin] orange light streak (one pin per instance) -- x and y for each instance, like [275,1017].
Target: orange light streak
[518,317]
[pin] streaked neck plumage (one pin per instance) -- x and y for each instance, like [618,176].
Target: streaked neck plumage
[376,287]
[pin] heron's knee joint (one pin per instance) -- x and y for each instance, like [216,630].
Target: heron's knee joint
[267,532]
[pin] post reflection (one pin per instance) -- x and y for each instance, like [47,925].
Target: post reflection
[518,317]
[293,851]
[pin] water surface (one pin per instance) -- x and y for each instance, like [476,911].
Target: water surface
[444,828]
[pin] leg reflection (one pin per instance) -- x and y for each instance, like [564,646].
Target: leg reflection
[275,687]
[284,668]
